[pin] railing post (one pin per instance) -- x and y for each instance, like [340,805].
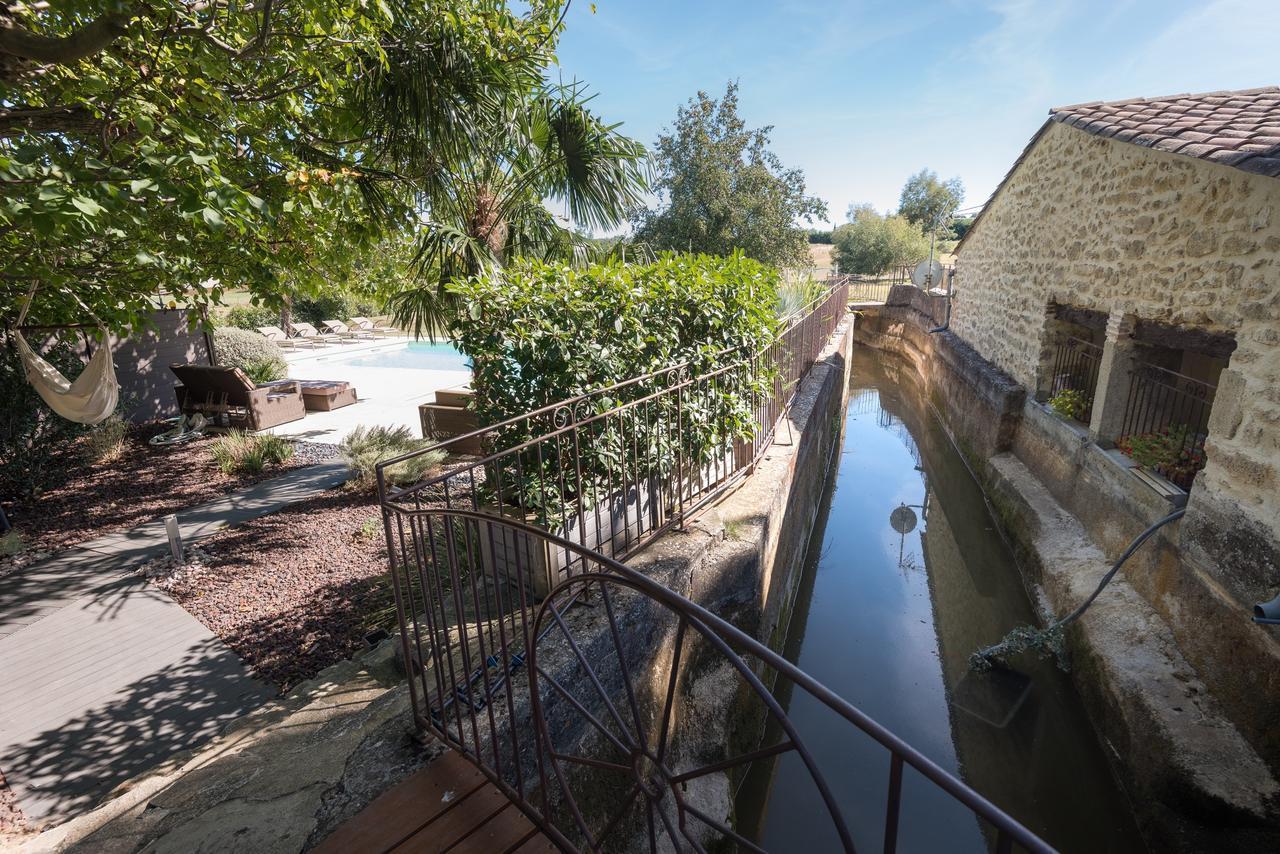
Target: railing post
[1119,355]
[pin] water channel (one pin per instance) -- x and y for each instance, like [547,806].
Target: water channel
[887,616]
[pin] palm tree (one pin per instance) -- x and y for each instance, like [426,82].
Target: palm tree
[482,204]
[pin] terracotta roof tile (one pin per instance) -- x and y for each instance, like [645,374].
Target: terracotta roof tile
[1240,129]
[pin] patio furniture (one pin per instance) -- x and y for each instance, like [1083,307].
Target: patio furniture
[322,395]
[383,321]
[337,327]
[307,332]
[278,336]
[378,329]
[450,416]
[228,398]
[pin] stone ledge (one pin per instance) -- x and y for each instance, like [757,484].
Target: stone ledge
[276,780]
[1197,782]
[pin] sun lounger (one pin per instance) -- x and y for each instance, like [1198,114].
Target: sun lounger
[307,332]
[368,325]
[383,321]
[281,338]
[337,327]
[216,391]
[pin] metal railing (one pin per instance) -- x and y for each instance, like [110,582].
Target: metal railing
[1075,368]
[616,467]
[581,715]
[1166,422]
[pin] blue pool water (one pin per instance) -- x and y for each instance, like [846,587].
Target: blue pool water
[423,355]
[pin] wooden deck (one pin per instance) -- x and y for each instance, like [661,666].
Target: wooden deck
[447,806]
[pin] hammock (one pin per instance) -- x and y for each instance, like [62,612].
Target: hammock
[91,397]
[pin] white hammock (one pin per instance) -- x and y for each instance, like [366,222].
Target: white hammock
[90,399]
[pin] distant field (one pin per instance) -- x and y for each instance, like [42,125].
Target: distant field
[820,253]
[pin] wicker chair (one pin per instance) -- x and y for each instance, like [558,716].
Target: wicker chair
[215,390]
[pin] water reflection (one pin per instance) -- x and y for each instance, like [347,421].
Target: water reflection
[906,576]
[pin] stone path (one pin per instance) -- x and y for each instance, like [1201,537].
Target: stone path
[104,676]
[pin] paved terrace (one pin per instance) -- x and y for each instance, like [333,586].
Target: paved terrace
[105,676]
[388,396]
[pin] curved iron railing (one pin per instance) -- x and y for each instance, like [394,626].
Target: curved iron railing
[523,690]
[583,715]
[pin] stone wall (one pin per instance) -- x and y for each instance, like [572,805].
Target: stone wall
[1175,677]
[1144,235]
[1105,225]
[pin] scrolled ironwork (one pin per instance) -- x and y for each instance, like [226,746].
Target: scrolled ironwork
[565,714]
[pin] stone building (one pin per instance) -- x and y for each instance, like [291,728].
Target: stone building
[1110,352]
[1126,274]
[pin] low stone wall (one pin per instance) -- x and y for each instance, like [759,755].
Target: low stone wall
[1201,632]
[979,403]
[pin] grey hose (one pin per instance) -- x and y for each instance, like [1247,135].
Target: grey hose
[1115,567]
[1051,641]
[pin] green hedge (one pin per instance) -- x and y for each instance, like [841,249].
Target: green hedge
[251,317]
[538,333]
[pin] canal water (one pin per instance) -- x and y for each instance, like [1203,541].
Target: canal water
[892,603]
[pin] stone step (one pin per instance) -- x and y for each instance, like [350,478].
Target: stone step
[1178,748]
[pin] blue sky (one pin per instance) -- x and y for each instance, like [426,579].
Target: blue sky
[863,94]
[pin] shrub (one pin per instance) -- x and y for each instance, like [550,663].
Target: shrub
[870,243]
[365,447]
[1069,403]
[331,306]
[239,452]
[251,352]
[106,441]
[11,544]
[538,333]
[34,441]
[794,296]
[265,371]
[251,317]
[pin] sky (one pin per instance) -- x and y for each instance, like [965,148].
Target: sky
[864,94]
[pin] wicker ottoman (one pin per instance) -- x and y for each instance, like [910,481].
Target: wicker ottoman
[324,395]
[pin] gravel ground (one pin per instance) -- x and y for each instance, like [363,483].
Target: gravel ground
[140,485]
[11,818]
[293,592]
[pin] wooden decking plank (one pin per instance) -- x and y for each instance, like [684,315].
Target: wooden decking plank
[535,844]
[406,808]
[454,824]
[501,832]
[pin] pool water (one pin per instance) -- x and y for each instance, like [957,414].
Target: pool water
[886,616]
[423,355]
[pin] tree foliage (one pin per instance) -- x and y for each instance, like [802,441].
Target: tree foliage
[929,202]
[485,206]
[872,244]
[146,149]
[722,189]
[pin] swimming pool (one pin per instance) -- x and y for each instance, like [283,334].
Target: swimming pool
[423,355]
